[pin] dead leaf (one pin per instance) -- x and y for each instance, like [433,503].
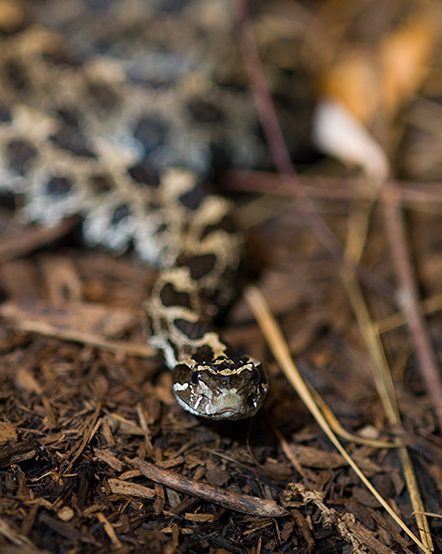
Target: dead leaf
[403,57]
[91,318]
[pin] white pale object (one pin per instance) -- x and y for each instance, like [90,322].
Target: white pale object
[337,133]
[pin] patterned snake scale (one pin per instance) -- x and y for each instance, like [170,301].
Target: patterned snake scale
[116,112]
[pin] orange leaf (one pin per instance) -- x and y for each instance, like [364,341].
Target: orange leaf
[403,57]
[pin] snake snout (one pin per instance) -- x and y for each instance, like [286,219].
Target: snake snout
[222,389]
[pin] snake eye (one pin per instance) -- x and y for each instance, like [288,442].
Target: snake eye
[256,375]
[195,377]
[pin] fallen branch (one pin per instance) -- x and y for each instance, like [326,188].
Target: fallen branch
[243,503]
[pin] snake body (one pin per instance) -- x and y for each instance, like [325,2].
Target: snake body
[122,125]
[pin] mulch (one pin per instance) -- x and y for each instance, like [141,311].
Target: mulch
[96,456]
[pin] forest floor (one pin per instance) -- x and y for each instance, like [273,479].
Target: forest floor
[96,455]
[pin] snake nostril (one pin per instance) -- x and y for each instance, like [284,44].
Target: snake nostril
[251,401]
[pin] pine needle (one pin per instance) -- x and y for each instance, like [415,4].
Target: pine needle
[280,350]
[356,239]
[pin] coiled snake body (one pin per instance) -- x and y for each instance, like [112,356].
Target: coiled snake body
[122,127]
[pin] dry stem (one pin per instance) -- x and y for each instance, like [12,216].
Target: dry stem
[356,240]
[408,299]
[280,350]
[233,501]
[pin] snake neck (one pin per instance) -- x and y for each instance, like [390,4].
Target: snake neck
[197,282]
[209,379]
[180,313]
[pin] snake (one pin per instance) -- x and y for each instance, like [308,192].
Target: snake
[123,113]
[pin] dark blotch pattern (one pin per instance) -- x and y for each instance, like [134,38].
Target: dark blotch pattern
[120,213]
[171,297]
[68,116]
[100,5]
[203,111]
[164,326]
[160,229]
[16,73]
[174,348]
[58,186]
[5,114]
[193,198]
[233,355]
[203,354]
[103,96]
[220,158]
[143,174]
[192,330]
[71,139]
[151,81]
[100,184]
[225,224]
[62,57]
[20,154]
[151,132]
[200,265]
[172,5]
[152,206]
[221,366]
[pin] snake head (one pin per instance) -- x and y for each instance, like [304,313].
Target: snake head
[223,388]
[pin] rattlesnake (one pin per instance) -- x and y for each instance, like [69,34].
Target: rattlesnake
[114,111]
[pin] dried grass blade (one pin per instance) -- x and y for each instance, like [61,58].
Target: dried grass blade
[356,239]
[280,350]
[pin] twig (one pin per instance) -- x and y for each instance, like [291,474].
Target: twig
[408,298]
[332,188]
[109,530]
[261,93]
[280,350]
[428,306]
[33,238]
[335,424]
[15,537]
[118,486]
[272,129]
[89,431]
[279,150]
[346,524]
[395,232]
[231,500]
[356,240]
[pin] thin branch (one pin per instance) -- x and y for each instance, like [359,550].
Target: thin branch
[279,150]
[408,298]
[393,218]
[272,129]
[390,323]
[228,499]
[416,195]
[261,93]
[356,241]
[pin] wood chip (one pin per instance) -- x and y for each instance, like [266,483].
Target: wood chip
[118,486]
